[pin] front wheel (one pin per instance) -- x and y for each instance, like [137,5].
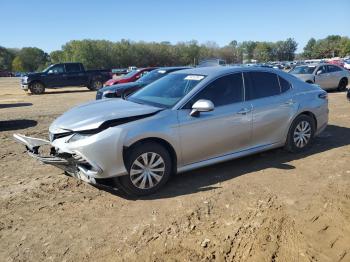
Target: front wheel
[301,134]
[149,167]
[37,88]
[95,85]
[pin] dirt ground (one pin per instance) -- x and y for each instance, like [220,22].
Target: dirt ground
[274,206]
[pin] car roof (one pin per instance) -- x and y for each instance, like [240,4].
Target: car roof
[220,70]
[172,68]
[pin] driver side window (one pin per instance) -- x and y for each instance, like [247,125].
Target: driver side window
[222,91]
[57,69]
[322,69]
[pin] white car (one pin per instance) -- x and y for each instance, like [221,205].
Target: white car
[347,64]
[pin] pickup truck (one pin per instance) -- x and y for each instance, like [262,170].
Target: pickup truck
[64,74]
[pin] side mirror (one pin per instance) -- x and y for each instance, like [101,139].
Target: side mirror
[319,72]
[201,105]
[50,71]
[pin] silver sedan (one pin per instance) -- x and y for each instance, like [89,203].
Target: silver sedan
[325,75]
[186,120]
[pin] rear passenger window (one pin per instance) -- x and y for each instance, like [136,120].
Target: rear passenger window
[261,84]
[71,68]
[285,85]
[332,68]
[222,91]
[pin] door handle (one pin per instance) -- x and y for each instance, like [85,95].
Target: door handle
[289,102]
[244,111]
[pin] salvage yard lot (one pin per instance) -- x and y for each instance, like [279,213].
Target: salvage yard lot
[274,206]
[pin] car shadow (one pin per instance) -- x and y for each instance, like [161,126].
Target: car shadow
[9,125]
[14,105]
[208,178]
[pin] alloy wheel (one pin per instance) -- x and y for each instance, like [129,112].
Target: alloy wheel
[97,85]
[37,88]
[147,170]
[302,134]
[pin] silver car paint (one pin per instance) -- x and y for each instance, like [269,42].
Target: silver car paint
[220,135]
[326,80]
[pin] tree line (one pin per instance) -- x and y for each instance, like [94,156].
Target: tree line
[107,54]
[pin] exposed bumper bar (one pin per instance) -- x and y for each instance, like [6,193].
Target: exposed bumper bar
[75,165]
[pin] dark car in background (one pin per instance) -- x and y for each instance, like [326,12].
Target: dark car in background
[132,76]
[4,73]
[123,90]
[62,75]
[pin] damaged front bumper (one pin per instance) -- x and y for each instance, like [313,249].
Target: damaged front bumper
[74,164]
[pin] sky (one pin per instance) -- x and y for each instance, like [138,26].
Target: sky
[50,24]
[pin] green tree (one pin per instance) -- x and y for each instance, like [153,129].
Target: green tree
[32,58]
[6,57]
[57,56]
[17,65]
[309,49]
[248,49]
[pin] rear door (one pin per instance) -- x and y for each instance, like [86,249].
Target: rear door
[335,74]
[273,106]
[225,130]
[74,74]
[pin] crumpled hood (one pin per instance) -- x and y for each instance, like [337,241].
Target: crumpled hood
[91,115]
[304,77]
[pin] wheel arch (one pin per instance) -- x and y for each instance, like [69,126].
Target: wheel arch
[37,81]
[157,140]
[308,113]
[344,78]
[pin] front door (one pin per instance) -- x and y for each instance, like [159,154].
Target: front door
[224,130]
[55,76]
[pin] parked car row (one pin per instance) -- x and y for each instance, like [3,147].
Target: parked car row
[185,120]
[327,76]
[129,77]
[124,89]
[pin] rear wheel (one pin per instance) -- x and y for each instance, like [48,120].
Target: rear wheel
[95,85]
[37,88]
[149,167]
[301,134]
[342,84]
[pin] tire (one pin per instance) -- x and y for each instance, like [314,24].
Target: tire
[95,85]
[143,179]
[342,84]
[37,88]
[301,134]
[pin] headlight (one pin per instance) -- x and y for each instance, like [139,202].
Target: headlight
[77,137]
[25,79]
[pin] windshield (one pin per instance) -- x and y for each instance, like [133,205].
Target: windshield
[167,91]
[152,76]
[302,70]
[131,73]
